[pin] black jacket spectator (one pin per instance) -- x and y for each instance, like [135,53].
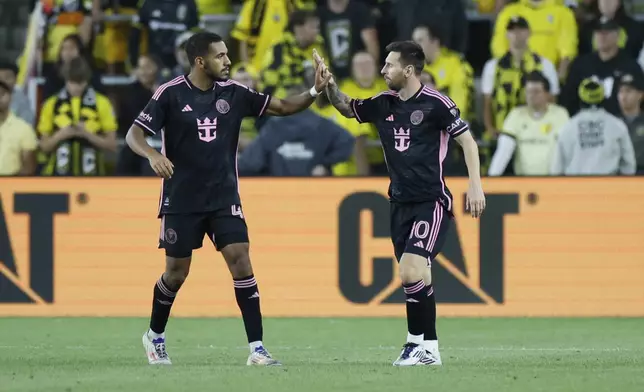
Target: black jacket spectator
[630,39]
[164,20]
[447,16]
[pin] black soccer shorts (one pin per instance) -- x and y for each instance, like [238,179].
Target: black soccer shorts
[419,228]
[182,233]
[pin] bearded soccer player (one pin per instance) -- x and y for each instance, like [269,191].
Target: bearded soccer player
[415,124]
[199,117]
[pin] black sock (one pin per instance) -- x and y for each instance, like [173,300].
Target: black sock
[161,305]
[416,294]
[247,296]
[430,321]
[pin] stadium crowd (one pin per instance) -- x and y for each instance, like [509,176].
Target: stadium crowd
[561,93]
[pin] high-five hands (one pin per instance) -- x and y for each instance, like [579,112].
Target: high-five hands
[322,73]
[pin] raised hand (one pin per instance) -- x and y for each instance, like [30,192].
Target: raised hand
[322,74]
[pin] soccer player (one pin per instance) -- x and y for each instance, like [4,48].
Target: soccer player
[199,117]
[415,124]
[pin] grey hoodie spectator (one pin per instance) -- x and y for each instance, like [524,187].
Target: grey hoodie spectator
[303,144]
[20,104]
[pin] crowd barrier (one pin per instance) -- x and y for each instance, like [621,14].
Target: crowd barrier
[320,247]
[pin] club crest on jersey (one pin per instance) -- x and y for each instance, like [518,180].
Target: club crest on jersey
[416,117]
[222,106]
[402,136]
[207,129]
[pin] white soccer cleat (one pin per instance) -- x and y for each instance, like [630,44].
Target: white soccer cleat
[155,350]
[261,357]
[414,355]
[435,355]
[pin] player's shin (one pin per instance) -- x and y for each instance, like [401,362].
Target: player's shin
[247,295]
[164,295]
[430,323]
[412,268]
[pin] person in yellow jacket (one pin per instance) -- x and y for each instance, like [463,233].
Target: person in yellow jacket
[286,65]
[452,75]
[554,31]
[77,126]
[260,23]
[364,83]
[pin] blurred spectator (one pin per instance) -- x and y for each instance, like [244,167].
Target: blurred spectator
[553,26]
[347,27]
[164,21]
[289,62]
[365,83]
[303,144]
[446,16]
[503,79]
[452,75]
[246,75]
[427,79]
[606,64]
[213,7]
[139,93]
[530,132]
[71,48]
[20,104]
[594,142]
[76,125]
[260,23]
[18,142]
[631,92]
[183,64]
[111,40]
[630,32]
[64,18]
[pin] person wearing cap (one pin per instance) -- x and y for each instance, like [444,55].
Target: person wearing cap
[630,32]
[593,142]
[607,64]
[530,132]
[18,141]
[553,26]
[503,79]
[631,92]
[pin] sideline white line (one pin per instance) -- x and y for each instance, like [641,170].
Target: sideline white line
[321,348]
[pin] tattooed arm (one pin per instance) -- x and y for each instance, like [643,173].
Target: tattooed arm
[340,100]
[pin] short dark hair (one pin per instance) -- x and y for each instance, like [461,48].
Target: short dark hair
[410,54]
[538,77]
[9,65]
[77,71]
[300,17]
[197,45]
[434,31]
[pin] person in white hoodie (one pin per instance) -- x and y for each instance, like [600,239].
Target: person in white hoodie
[594,142]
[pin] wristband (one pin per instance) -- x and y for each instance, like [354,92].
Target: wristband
[314,93]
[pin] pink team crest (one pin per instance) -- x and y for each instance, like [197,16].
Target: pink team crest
[416,117]
[207,129]
[402,139]
[222,106]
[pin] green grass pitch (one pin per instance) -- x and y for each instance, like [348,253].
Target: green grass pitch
[523,355]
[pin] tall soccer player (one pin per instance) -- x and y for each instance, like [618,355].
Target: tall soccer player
[415,124]
[199,117]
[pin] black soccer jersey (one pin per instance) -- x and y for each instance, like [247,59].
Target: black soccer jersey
[414,136]
[200,133]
